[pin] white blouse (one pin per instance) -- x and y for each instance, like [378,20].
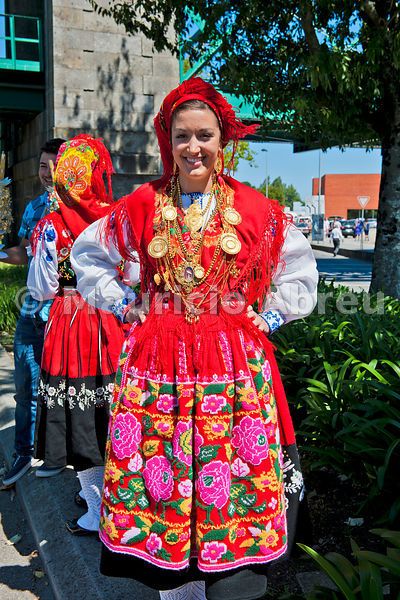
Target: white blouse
[43,276]
[295,282]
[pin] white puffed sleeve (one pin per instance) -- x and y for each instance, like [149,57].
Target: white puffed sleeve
[295,283]
[43,271]
[95,266]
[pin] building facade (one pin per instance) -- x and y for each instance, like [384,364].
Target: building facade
[65,70]
[344,195]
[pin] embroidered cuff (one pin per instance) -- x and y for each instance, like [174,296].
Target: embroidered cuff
[273,318]
[121,307]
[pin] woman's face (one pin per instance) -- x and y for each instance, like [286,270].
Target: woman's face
[196,140]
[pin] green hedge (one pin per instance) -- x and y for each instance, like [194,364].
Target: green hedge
[12,282]
[342,376]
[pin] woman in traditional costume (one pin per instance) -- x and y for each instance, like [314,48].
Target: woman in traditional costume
[82,344]
[201,443]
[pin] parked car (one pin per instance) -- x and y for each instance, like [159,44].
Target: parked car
[304,227]
[348,227]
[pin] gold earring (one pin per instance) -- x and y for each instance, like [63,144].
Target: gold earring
[175,169]
[219,163]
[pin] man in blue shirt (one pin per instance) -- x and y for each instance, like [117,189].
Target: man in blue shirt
[29,333]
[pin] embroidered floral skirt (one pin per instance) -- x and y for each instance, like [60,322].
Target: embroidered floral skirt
[194,467]
[80,357]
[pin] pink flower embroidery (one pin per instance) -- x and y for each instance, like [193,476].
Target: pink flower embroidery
[165,403]
[240,468]
[126,435]
[279,522]
[250,438]
[198,441]
[213,403]
[153,544]
[158,478]
[121,520]
[185,488]
[182,442]
[266,370]
[213,551]
[214,483]
[136,463]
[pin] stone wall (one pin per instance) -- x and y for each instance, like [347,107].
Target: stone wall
[109,84]
[101,81]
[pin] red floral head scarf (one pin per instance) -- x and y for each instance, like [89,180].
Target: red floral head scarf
[196,89]
[81,195]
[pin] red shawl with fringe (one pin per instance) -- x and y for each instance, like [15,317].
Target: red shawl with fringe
[261,233]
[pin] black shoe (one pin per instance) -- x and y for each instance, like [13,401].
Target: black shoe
[76,529]
[79,501]
[20,466]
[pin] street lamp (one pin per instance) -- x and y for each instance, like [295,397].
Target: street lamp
[266,170]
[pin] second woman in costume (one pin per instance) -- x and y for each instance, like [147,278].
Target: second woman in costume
[82,344]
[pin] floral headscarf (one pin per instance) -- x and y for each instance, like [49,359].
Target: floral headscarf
[80,193]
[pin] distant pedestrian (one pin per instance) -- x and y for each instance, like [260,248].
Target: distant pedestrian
[336,235]
[358,229]
[366,230]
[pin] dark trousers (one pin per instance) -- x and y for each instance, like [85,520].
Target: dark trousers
[336,246]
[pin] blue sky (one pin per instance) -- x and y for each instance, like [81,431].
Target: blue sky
[299,169]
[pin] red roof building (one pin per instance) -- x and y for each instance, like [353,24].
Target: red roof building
[342,194]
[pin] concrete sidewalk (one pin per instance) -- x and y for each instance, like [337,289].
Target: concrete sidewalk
[71,563]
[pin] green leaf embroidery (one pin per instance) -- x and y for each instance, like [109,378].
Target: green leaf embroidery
[261,508]
[215,534]
[163,553]
[142,501]
[228,556]
[168,450]
[238,489]
[208,453]
[137,538]
[158,528]
[214,388]
[125,494]
[248,500]
[136,485]
[139,523]
[252,550]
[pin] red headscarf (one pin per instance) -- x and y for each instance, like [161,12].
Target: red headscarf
[196,89]
[80,190]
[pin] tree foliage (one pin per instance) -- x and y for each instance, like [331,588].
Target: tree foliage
[278,190]
[325,71]
[329,68]
[242,152]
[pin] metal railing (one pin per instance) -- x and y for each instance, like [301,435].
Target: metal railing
[17,52]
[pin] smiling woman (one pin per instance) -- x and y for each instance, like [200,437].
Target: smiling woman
[204,498]
[196,144]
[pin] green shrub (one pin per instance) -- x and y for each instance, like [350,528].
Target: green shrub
[342,377]
[372,574]
[12,280]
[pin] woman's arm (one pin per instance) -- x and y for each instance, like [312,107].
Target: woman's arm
[95,266]
[43,271]
[295,284]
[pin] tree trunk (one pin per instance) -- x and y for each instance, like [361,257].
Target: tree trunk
[386,267]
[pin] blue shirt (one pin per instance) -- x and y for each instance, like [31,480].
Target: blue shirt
[33,212]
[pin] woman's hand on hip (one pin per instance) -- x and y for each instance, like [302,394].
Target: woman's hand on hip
[257,320]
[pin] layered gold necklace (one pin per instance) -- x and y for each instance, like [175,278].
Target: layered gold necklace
[179,265]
